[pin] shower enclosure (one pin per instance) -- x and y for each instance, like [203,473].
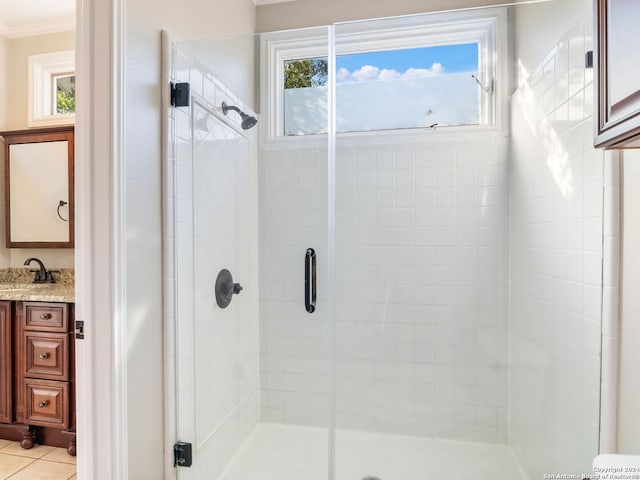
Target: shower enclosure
[416,221]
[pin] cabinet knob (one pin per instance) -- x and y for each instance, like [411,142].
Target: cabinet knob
[43,403]
[44,356]
[45,316]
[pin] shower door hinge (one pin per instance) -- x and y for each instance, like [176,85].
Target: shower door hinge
[180,94]
[182,456]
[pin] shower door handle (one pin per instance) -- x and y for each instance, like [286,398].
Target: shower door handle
[310,280]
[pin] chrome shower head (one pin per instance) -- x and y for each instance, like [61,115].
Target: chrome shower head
[247,120]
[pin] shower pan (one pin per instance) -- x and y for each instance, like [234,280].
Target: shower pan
[419,244]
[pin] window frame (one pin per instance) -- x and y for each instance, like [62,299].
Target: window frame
[487,28]
[43,68]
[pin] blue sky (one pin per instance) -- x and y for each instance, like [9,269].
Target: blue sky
[437,60]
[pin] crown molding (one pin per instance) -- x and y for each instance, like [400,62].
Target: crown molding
[259,3]
[44,27]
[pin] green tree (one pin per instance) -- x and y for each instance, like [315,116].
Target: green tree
[311,72]
[66,101]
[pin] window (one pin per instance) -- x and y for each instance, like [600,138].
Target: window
[52,89]
[419,73]
[64,91]
[305,94]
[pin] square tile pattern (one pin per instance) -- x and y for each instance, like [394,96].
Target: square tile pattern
[39,463]
[421,287]
[556,263]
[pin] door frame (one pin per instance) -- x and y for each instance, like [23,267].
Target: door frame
[101,360]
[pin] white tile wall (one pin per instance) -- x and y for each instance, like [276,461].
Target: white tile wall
[611,308]
[421,287]
[556,264]
[294,345]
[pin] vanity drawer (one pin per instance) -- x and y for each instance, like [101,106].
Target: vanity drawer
[47,403]
[47,355]
[46,317]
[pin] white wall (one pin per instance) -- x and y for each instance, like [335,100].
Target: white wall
[629,386]
[4,81]
[556,248]
[193,19]
[545,23]
[20,49]
[14,90]
[309,13]
[4,111]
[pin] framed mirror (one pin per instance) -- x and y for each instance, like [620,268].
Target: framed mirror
[38,167]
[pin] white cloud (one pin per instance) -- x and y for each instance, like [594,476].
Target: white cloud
[389,74]
[436,69]
[369,73]
[343,75]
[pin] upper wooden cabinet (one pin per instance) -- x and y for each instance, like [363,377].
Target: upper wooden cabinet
[38,169]
[618,73]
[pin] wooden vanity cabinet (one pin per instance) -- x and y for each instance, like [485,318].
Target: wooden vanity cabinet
[617,71]
[45,360]
[6,367]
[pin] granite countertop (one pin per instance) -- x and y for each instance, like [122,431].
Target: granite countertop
[17,284]
[34,292]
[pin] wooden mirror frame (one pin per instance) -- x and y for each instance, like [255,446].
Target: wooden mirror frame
[37,136]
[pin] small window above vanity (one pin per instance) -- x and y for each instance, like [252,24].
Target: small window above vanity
[39,188]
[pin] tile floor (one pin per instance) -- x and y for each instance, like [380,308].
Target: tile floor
[39,463]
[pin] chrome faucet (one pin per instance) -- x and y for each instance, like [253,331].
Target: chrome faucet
[43,275]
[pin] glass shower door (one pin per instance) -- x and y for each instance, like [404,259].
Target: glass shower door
[252,375]
[293,203]
[215,227]
[421,249]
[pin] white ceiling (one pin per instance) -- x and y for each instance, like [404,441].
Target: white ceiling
[22,18]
